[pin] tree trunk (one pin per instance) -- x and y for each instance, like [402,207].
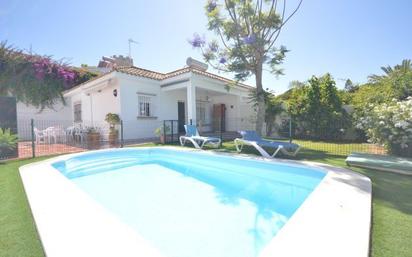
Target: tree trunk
[269,127]
[261,107]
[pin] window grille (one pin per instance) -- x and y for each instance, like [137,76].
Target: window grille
[145,105]
[77,112]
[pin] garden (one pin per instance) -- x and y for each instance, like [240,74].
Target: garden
[328,121]
[392,208]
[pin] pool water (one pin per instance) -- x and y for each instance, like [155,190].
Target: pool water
[190,204]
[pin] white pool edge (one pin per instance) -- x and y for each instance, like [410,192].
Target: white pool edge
[334,220]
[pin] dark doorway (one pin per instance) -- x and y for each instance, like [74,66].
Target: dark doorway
[181,116]
[219,117]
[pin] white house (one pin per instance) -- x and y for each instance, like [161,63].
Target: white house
[144,99]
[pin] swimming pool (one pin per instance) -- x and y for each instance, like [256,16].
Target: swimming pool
[209,205]
[181,203]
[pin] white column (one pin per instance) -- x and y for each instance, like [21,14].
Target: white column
[191,103]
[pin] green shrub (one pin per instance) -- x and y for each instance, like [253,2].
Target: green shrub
[8,140]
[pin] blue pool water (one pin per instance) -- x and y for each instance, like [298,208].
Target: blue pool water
[190,204]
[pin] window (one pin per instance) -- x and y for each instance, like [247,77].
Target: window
[201,111]
[77,112]
[145,106]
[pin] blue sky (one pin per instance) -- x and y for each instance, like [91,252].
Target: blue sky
[349,39]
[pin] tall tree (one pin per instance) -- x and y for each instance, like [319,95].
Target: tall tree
[247,31]
[350,86]
[273,108]
[317,108]
[398,78]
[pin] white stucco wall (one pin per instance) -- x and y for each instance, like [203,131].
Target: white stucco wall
[133,126]
[103,102]
[97,100]
[59,115]
[58,112]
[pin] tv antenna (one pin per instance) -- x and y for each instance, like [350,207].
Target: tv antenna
[131,41]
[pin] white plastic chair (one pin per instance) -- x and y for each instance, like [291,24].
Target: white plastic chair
[79,133]
[39,135]
[69,134]
[50,134]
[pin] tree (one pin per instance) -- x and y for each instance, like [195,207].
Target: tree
[394,83]
[317,108]
[296,84]
[350,86]
[273,108]
[34,79]
[247,32]
[398,78]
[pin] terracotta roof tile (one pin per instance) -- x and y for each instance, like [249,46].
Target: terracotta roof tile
[140,72]
[136,71]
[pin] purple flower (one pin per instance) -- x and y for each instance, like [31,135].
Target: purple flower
[213,47]
[222,60]
[211,6]
[249,39]
[197,41]
[44,66]
[66,75]
[39,74]
[72,75]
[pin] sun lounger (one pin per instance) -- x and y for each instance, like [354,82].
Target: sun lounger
[250,137]
[192,135]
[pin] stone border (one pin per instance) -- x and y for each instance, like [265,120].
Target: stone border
[333,221]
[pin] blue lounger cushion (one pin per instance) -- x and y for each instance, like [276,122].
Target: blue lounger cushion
[251,135]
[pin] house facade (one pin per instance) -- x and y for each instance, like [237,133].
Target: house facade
[144,99]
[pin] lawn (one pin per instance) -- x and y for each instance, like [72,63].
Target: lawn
[392,207]
[18,236]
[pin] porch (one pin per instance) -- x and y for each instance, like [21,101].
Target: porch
[212,106]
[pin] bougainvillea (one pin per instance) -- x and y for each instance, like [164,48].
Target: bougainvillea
[389,124]
[34,79]
[45,67]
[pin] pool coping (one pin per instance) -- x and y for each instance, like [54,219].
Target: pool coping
[334,220]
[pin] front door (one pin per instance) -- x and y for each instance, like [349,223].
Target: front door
[181,116]
[219,117]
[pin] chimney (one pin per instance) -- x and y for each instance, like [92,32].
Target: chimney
[195,64]
[115,60]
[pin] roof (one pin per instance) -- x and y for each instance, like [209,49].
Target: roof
[136,71]
[140,72]
[88,81]
[132,70]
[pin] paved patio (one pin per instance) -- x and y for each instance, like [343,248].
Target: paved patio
[25,149]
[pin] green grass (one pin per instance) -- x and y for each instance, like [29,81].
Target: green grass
[18,236]
[392,206]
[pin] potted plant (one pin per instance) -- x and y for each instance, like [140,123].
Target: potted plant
[161,132]
[113,119]
[93,138]
[8,144]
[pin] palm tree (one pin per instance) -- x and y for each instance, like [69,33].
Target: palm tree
[404,67]
[396,81]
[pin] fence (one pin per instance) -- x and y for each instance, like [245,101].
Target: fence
[52,137]
[335,139]
[49,137]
